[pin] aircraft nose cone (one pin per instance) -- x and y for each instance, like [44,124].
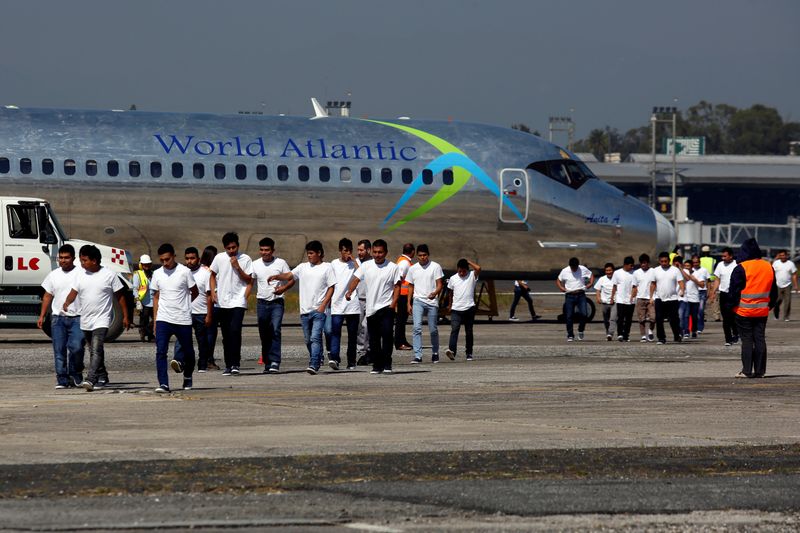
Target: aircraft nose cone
[665,233]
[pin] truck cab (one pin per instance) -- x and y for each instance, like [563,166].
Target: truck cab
[30,236]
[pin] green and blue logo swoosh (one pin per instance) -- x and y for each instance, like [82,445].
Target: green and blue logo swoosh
[463,167]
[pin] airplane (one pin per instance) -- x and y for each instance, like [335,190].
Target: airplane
[514,203]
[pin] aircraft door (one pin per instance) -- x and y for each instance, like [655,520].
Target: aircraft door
[515,196]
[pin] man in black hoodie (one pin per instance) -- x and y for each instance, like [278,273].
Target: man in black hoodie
[753,292]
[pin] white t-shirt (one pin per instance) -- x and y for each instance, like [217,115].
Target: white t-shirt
[230,287]
[604,284]
[59,284]
[701,274]
[424,280]
[692,292]
[361,288]
[343,273]
[403,263]
[575,281]
[262,271]
[174,296]
[723,272]
[642,280]
[667,283]
[202,277]
[314,282]
[624,282]
[463,290]
[381,280]
[96,290]
[783,272]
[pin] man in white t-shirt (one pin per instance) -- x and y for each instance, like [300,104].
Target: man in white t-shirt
[270,303]
[424,286]
[383,289]
[462,306]
[231,283]
[623,298]
[97,286]
[364,253]
[202,314]
[573,281]
[317,283]
[645,310]
[786,278]
[701,273]
[174,289]
[604,295]
[721,287]
[65,326]
[344,312]
[666,287]
[695,280]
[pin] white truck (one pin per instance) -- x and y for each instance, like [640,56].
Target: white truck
[30,236]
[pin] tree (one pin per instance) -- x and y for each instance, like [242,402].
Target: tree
[525,129]
[758,130]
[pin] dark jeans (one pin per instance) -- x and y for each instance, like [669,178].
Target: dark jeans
[754,344]
[729,328]
[230,322]
[689,310]
[68,343]
[146,323]
[201,336]
[212,334]
[380,326]
[575,303]
[400,322]
[97,356]
[701,311]
[625,319]
[669,310]
[351,322]
[270,317]
[519,292]
[183,333]
[457,319]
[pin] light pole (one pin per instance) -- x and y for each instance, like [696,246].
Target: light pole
[653,121]
[561,124]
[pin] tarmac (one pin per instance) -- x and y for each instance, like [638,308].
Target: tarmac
[535,434]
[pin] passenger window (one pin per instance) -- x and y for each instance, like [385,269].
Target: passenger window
[198,170]
[344,174]
[303,173]
[241,172]
[155,169]
[177,170]
[324,174]
[386,175]
[69,167]
[261,172]
[134,169]
[25,165]
[427,177]
[407,176]
[283,173]
[5,166]
[219,171]
[447,176]
[113,168]
[22,222]
[91,167]
[366,175]
[47,166]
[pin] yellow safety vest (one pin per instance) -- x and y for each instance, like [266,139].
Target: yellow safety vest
[144,285]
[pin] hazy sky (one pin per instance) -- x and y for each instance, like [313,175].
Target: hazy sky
[499,61]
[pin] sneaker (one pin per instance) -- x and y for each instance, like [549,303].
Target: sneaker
[226,372]
[201,370]
[694,335]
[187,384]
[101,382]
[76,381]
[513,319]
[786,320]
[735,340]
[650,337]
[620,338]
[162,389]
[699,331]
[60,386]
[212,366]
[176,366]
[352,367]
[450,354]
[469,357]
[727,344]
[235,370]
[375,371]
[644,339]
[608,337]
[580,335]
[741,375]
[274,368]
[88,385]
[416,361]
[661,342]
[685,335]
[435,358]
[387,370]
[333,364]
[570,339]
[536,317]
[311,370]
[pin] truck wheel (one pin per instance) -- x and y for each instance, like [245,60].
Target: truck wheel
[592,310]
[115,329]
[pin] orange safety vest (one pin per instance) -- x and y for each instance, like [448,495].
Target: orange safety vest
[405,285]
[755,295]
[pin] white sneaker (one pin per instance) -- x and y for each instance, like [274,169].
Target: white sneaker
[608,337]
[580,335]
[644,339]
[513,319]
[450,354]
[162,389]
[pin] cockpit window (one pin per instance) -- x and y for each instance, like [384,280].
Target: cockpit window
[566,171]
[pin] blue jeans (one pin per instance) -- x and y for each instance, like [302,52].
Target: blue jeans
[68,343]
[519,292]
[201,336]
[164,332]
[95,338]
[457,319]
[351,321]
[313,324]
[575,303]
[419,310]
[688,310]
[270,317]
[701,310]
